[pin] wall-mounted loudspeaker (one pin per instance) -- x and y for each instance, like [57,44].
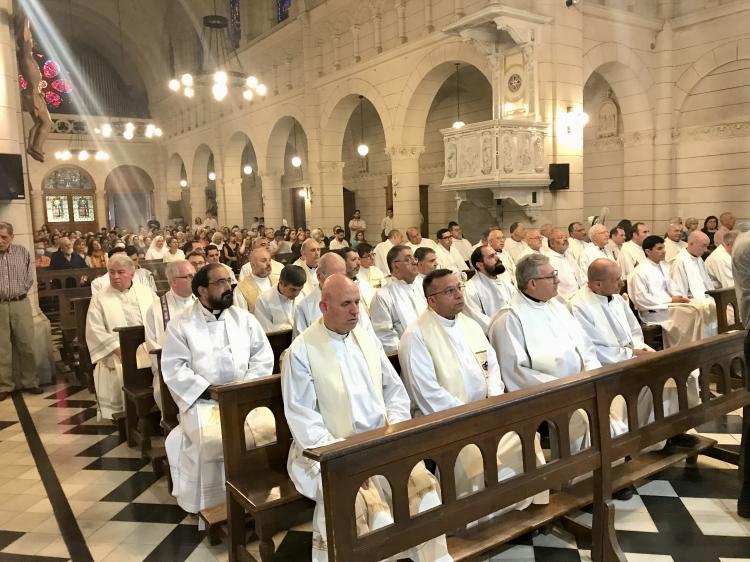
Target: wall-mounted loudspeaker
[560,176]
[11,177]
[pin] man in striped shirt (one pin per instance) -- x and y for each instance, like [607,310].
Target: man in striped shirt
[16,324]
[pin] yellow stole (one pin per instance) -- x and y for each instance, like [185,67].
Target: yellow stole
[251,292]
[332,394]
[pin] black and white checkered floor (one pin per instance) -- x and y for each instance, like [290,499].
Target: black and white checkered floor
[109,505]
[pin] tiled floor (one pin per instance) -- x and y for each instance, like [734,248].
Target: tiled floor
[113,508]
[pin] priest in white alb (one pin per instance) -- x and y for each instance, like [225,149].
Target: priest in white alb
[537,340]
[449,257]
[213,343]
[673,243]
[261,242]
[719,262]
[569,275]
[659,301]
[447,361]
[415,240]
[260,279]
[599,247]
[308,261]
[516,244]
[426,263]
[165,308]
[576,240]
[489,290]
[533,243]
[400,302]
[461,244]
[353,265]
[276,305]
[496,240]
[369,272]
[337,382]
[631,252]
[121,304]
[692,280]
[381,250]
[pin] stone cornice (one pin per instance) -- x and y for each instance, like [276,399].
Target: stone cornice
[708,14]
[621,17]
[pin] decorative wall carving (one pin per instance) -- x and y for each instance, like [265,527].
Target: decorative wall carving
[404,151]
[607,119]
[711,132]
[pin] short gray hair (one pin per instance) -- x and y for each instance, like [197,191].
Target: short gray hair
[173,268]
[6,226]
[528,267]
[596,227]
[120,260]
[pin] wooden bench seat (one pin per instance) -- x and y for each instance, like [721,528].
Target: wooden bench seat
[256,479]
[393,451]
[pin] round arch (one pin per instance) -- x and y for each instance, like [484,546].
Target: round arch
[716,57]
[278,139]
[337,112]
[129,190]
[425,81]
[629,78]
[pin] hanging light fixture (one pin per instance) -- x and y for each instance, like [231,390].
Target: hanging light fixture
[458,124]
[211,176]
[247,169]
[296,160]
[362,149]
[227,73]
[183,183]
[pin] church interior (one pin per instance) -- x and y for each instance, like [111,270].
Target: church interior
[182,127]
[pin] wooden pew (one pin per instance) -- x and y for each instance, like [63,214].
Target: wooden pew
[257,480]
[279,342]
[83,367]
[137,384]
[393,451]
[72,283]
[726,298]
[286,259]
[653,335]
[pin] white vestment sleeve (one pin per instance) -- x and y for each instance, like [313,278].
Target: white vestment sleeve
[261,353]
[100,341]
[474,309]
[264,315]
[239,299]
[679,278]
[642,294]
[506,336]
[419,373]
[185,384]
[635,328]
[153,326]
[495,385]
[382,321]
[397,403]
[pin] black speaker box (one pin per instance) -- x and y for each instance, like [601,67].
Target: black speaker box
[560,176]
[11,177]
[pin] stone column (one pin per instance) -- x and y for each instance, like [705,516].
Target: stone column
[326,196]
[198,197]
[271,185]
[405,173]
[18,212]
[232,206]
[101,207]
[38,212]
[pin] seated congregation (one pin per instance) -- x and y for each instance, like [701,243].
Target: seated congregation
[376,363]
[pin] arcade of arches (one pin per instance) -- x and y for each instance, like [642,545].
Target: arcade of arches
[664,84]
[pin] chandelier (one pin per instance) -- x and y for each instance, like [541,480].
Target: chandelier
[227,73]
[128,130]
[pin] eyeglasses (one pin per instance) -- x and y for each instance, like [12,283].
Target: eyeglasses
[188,276]
[449,292]
[224,281]
[553,276]
[446,237]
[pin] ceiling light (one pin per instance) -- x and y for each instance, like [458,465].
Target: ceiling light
[211,176]
[247,169]
[158,132]
[248,95]
[458,125]
[363,150]
[188,92]
[220,77]
[174,85]
[128,134]
[261,89]
[106,130]
[302,192]
[101,156]
[219,91]
[187,80]
[183,183]
[83,155]
[251,82]
[296,161]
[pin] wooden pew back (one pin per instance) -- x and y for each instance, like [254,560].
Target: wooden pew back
[279,342]
[725,299]
[85,367]
[130,339]
[236,401]
[394,450]
[169,410]
[71,283]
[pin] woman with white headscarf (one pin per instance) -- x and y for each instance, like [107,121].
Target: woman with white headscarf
[157,250]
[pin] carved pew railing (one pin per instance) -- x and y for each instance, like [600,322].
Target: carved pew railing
[726,300]
[393,451]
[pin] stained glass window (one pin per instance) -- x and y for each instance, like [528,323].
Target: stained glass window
[57,208]
[282,9]
[68,177]
[83,208]
[56,88]
[235,28]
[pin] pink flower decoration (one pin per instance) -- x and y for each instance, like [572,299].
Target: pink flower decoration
[22,81]
[62,86]
[51,69]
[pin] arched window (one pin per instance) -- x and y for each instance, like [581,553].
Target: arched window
[282,9]
[69,196]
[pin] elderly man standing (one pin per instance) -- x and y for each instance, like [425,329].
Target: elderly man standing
[692,280]
[16,323]
[446,362]
[516,244]
[261,278]
[212,343]
[123,303]
[357,224]
[719,263]
[447,256]
[489,290]
[569,275]
[659,301]
[673,243]
[631,253]
[337,382]
[275,306]
[537,340]
[167,307]
[400,302]
[308,261]
[576,240]
[598,248]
